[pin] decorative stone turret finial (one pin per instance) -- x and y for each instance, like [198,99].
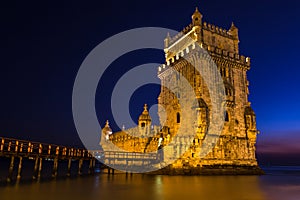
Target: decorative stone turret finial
[168,35]
[145,108]
[107,124]
[167,40]
[233,26]
[197,18]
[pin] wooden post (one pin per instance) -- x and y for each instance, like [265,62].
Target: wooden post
[35,168]
[94,164]
[20,168]
[91,170]
[80,167]
[55,165]
[40,168]
[11,169]
[2,145]
[69,166]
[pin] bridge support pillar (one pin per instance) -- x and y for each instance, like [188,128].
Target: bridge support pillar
[91,169]
[55,165]
[34,176]
[40,168]
[80,167]
[69,166]
[20,168]
[11,169]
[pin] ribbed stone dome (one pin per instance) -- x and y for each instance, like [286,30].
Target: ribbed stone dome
[145,115]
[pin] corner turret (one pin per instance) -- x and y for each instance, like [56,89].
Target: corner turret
[106,131]
[167,40]
[144,121]
[234,32]
[197,18]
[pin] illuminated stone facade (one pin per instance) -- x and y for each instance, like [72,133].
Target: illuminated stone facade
[235,148]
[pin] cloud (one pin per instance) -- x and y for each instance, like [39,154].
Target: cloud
[279,142]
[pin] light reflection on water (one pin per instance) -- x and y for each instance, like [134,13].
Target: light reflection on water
[136,186]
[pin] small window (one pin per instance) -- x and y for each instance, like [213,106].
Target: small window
[178,117]
[143,124]
[226,117]
[213,40]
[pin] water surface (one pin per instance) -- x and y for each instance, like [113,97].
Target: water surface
[278,184]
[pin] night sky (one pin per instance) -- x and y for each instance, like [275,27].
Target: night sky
[44,43]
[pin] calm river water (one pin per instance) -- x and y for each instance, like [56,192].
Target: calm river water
[278,184]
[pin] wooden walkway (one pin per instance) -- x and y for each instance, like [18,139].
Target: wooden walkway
[17,150]
[20,149]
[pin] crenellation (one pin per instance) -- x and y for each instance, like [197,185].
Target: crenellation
[214,51]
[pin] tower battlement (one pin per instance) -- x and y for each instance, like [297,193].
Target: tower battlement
[240,61]
[206,26]
[216,39]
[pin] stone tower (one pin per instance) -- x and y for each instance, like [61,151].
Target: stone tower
[234,151]
[236,145]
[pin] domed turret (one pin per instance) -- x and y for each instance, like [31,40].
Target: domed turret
[234,31]
[106,131]
[197,18]
[144,122]
[145,118]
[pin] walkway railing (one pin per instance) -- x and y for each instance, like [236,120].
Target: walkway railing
[127,161]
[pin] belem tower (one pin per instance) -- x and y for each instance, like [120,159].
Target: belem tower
[232,151]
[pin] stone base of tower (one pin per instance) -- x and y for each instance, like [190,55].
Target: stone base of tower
[210,170]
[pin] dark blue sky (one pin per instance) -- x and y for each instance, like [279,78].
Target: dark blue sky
[43,44]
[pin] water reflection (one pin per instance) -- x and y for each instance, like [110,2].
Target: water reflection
[136,186]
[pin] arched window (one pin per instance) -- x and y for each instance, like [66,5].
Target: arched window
[143,124]
[226,117]
[178,117]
